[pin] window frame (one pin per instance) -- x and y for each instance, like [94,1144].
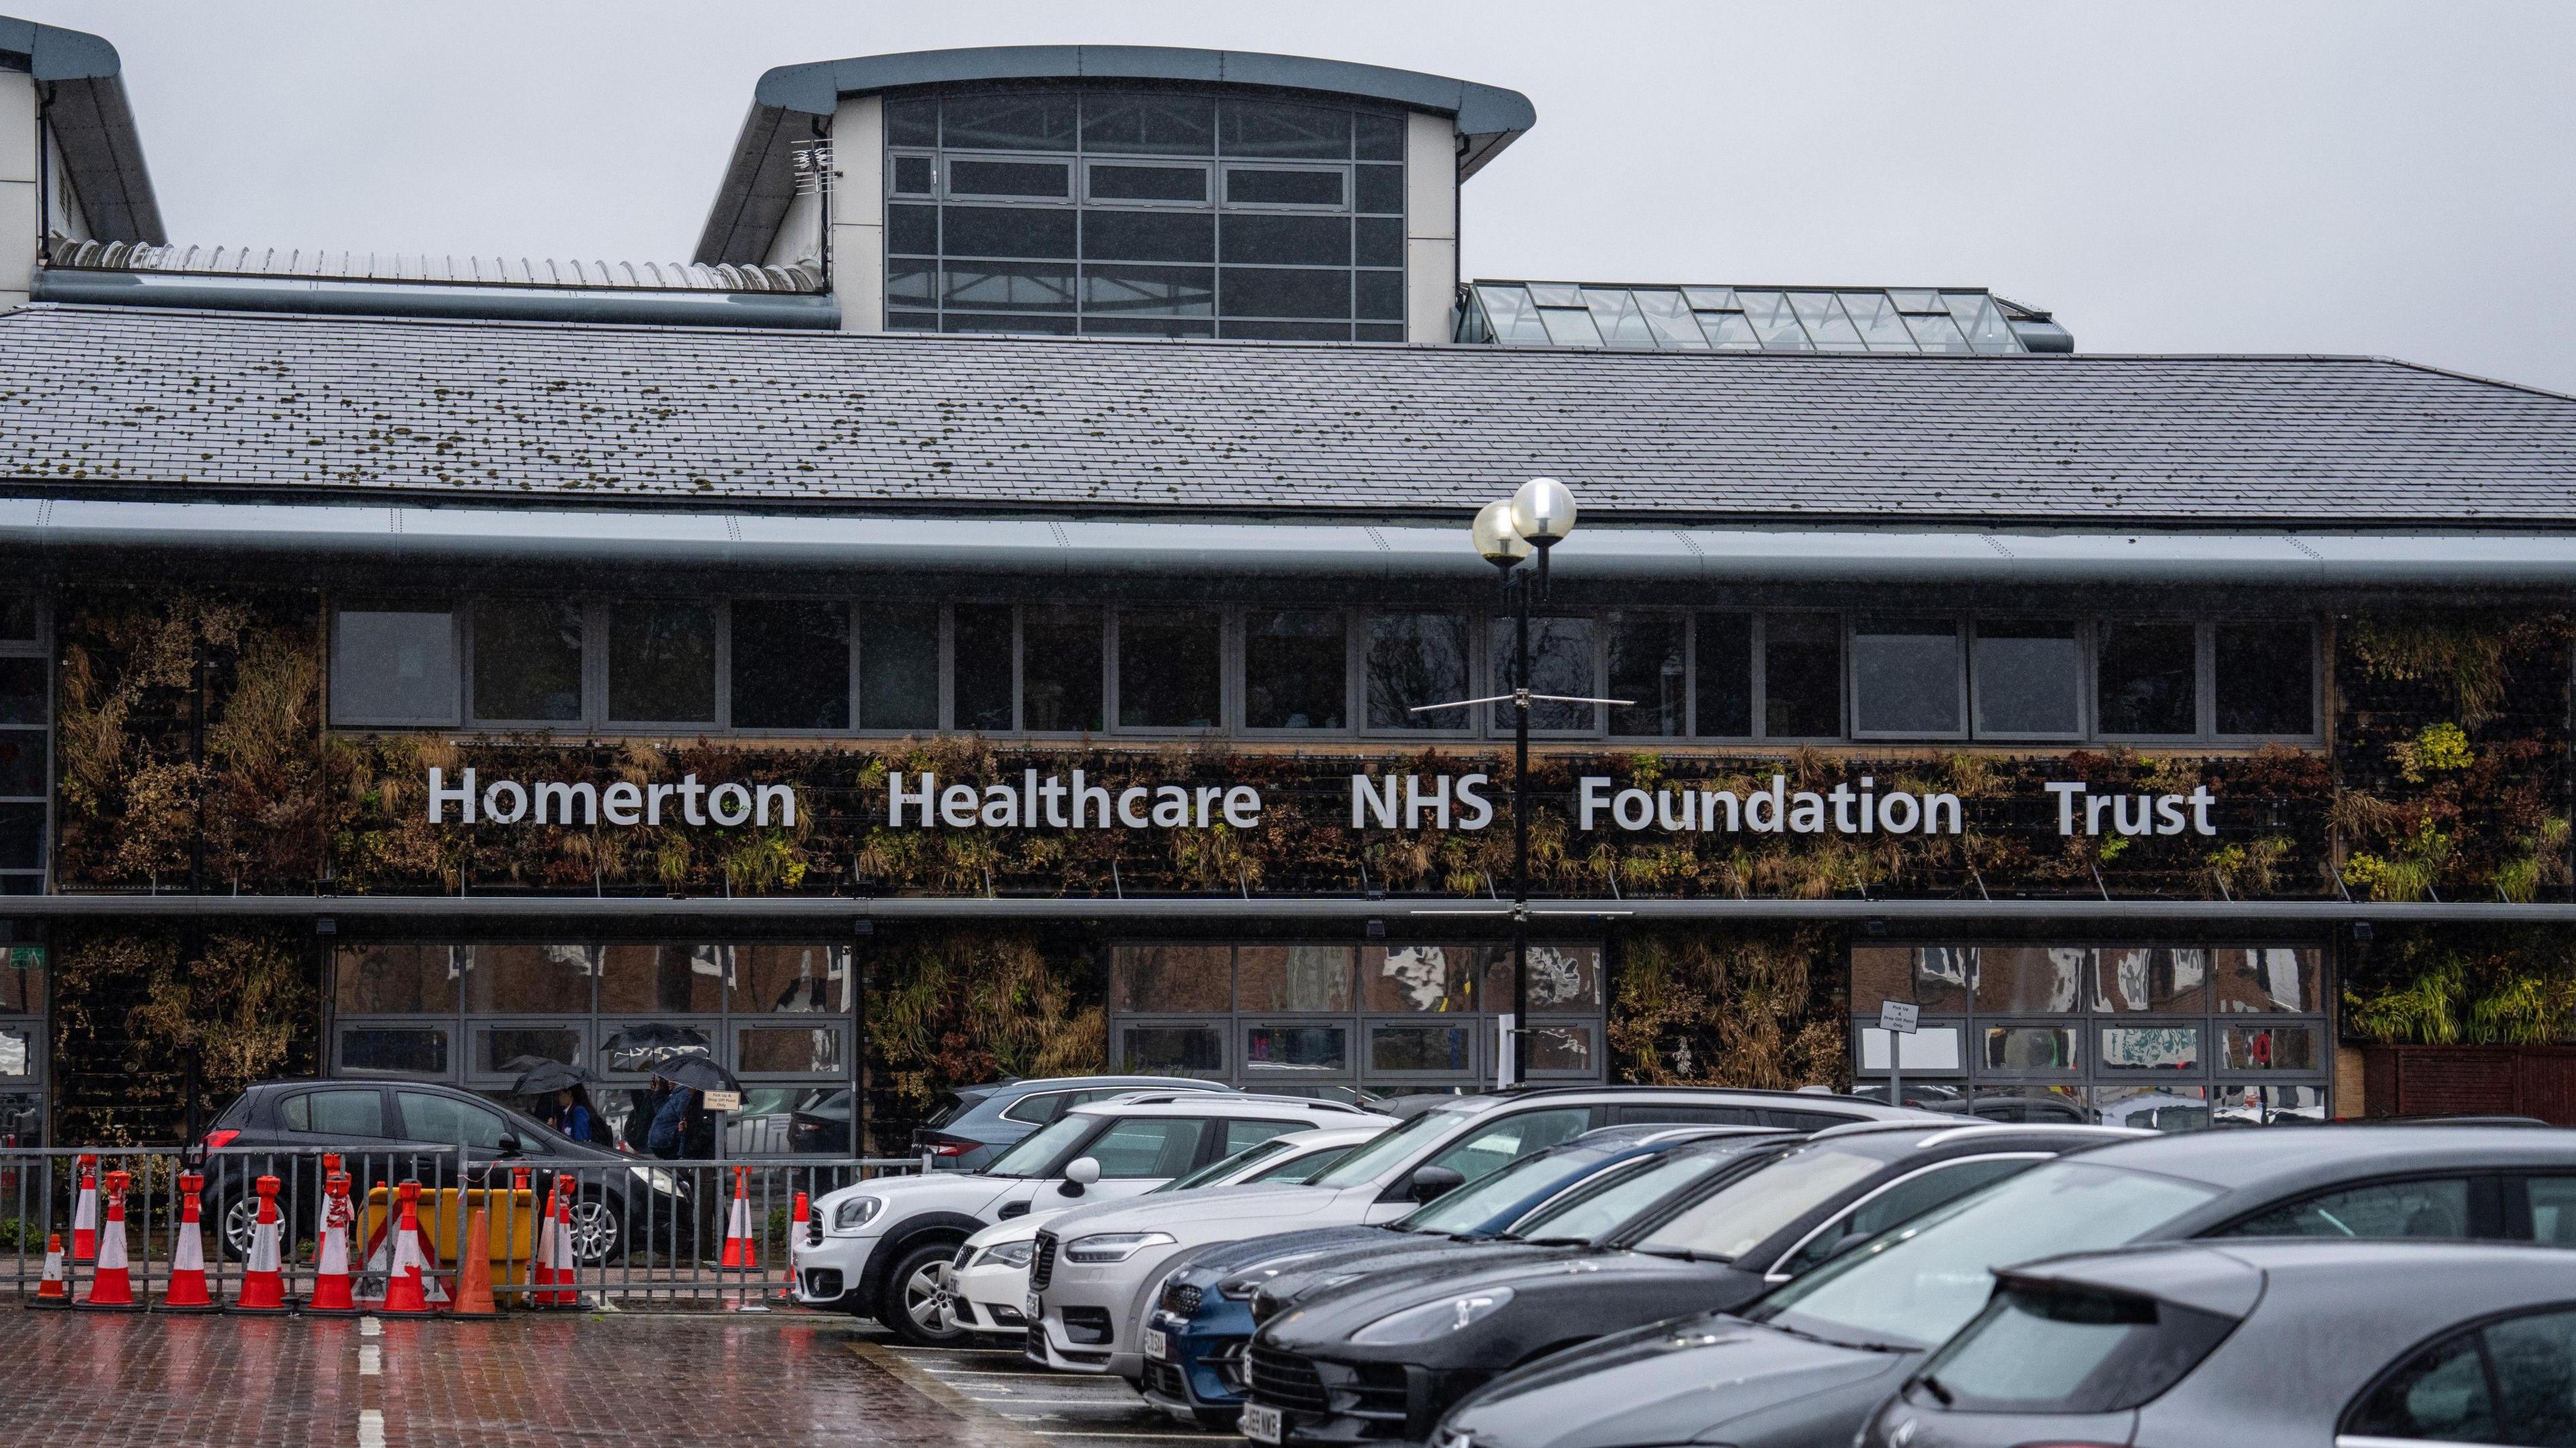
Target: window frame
[1963,663]
[594,668]
[2083,685]
[836,1022]
[1238,674]
[1228,670]
[585,1038]
[602,624]
[40,648]
[456,608]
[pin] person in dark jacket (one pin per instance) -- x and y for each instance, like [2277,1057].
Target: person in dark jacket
[575,1116]
[667,1137]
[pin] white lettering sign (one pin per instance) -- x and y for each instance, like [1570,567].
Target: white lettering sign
[553,802]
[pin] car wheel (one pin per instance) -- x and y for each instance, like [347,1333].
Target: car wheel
[232,1222]
[598,1229]
[917,1303]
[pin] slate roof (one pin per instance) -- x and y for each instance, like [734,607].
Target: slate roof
[195,403]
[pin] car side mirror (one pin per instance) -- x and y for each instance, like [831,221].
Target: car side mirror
[1430,1183]
[1081,1173]
[510,1145]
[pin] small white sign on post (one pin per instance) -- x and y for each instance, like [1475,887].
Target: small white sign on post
[729,1100]
[1898,1017]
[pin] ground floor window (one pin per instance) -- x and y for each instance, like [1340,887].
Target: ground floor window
[2161,1036]
[1384,1017]
[478,1014]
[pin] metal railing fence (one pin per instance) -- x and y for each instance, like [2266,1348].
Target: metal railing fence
[645,1232]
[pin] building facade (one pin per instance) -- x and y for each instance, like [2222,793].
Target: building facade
[1002,606]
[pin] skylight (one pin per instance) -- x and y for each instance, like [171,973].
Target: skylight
[1743,319]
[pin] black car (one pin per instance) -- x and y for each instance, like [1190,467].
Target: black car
[388,1132]
[1383,1356]
[1809,1363]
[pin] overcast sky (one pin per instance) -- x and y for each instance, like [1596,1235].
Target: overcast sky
[2168,177]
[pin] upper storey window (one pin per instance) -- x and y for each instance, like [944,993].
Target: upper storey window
[1157,213]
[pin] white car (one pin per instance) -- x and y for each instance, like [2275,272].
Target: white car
[880,1248]
[1096,1268]
[988,1280]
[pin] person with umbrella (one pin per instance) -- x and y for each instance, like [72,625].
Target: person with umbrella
[571,1111]
[679,1128]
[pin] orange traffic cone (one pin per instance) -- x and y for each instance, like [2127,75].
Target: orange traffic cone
[186,1290]
[85,1213]
[263,1286]
[111,1287]
[406,1293]
[51,1292]
[799,1212]
[739,1248]
[474,1274]
[332,1296]
[559,1256]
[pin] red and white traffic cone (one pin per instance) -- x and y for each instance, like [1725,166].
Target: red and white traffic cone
[111,1287]
[541,1266]
[799,1212]
[52,1292]
[332,1291]
[406,1286]
[739,1248]
[85,1213]
[567,1275]
[263,1287]
[186,1290]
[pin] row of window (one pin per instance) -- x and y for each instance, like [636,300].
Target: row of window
[499,1051]
[26,708]
[827,665]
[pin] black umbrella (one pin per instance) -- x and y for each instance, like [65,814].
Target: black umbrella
[538,1076]
[646,1047]
[698,1073]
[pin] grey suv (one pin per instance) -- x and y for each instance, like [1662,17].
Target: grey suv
[978,1123]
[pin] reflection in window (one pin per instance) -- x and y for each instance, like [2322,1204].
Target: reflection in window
[393,1050]
[792,978]
[1296,670]
[508,1050]
[529,978]
[662,661]
[1060,668]
[688,979]
[1293,977]
[1172,1050]
[778,1050]
[2031,1048]
[2029,980]
[17,1055]
[1644,654]
[398,979]
[899,668]
[2145,679]
[1905,676]
[22,979]
[2151,1048]
[2029,678]
[983,667]
[527,660]
[1560,664]
[1561,1048]
[2153,1108]
[791,664]
[1414,659]
[2266,675]
[2438,1208]
[2275,978]
[393,667]
[1418,977]
[2267,1048]
[1167,978]
[1723,661]
[2138,978]
[1802,676]
[1444,1050]
[1168,667]
[1297,1050]
[641,1046]
[1563,978]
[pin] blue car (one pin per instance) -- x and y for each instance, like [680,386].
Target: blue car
[1204,1310]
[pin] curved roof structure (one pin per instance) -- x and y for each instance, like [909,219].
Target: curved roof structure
[757,183]
[94,125]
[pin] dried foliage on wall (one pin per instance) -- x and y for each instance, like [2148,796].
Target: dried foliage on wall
[132,1004]
[948,1008]
[2474,985]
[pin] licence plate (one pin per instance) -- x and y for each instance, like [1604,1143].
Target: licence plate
[1156,1346]
[1260,1424]
[1035,1309]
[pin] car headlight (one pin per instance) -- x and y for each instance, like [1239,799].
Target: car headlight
[1435,1319]
[1009,1254]
[1115,1246]
[658,1179]
[855,1213]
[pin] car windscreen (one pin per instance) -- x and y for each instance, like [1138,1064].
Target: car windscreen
[1473,1208]
[1735,1218]
[1598,1206]
[1297,1171]
[2061,1349]
[1037,1150]
[1244,1160]
[1373,1157]
[1919,1284]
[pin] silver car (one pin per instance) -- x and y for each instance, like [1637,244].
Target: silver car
[2289,1344]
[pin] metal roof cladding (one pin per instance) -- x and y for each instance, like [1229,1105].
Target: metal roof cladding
[144,402]
[758,181]
[79,76]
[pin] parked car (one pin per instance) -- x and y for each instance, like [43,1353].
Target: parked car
[1200,1320]
[1810,1362]
[388,1132]
[882,1248]
[987,1285]
[1095,1294]
[2307,1342]
[1382,1357]
[975,1124]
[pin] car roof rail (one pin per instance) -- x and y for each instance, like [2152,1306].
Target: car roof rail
[1862,1128]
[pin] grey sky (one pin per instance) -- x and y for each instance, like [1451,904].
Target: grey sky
[2388,178]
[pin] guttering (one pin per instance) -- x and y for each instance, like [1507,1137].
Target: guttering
[1457,914]
[1093,548]
[675,307]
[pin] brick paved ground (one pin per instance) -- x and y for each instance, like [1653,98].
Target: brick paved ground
[669,1381]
